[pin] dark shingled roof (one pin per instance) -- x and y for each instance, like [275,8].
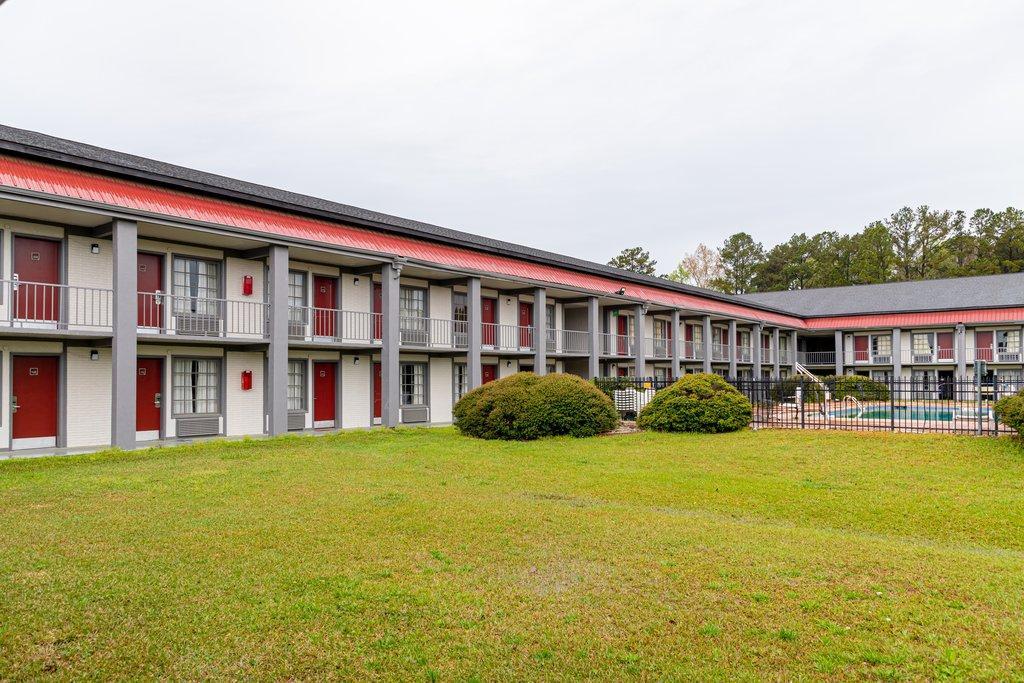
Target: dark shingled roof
[982,291]
[79,154]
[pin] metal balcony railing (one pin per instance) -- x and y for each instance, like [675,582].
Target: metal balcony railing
[568,341]
[433,333]
[616,344]
[933,354]
[879,357]
[39,305]
[744,354]
[309,323]
[202,317]
[658,347]
[997,354]
[691,350]
[507,337]
[816,357]
[719,352]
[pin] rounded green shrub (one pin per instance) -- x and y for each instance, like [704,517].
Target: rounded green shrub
[1010,411]
[524,407]
[697,403]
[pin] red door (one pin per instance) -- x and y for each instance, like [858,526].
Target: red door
[525,321]
[34,398]
[945,343]
[622,372]
[860,349]
[378,309]
[149,382]
[324,396]
[376,390]
[983,345]
[622,326]
[325,301]
[150,279]
[37,267]
[488,316]
[488,373]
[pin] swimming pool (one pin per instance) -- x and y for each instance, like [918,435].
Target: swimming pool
[922,413]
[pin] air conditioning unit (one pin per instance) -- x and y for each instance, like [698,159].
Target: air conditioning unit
[415,415]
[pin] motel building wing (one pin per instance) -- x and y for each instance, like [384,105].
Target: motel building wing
[142,303]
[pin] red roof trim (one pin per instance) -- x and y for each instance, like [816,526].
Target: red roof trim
[97,188]
[131,195]
[929,319]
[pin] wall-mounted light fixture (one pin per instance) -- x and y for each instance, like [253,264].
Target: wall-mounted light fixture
[622,291]
[508,364]
[355,360]
[355,282]
[508,300]
[94,355]
[94,248]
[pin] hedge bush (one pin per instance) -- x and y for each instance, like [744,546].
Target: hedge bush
[1010,411]
[524,406]
[697,403]
[841,386]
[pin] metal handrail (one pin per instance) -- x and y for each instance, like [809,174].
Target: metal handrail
[616,344]
[433,333]
[691,350]
[202,316]
[568,341]
[41,304]
[816,357]
[313,323]
[658,347]
[507,337]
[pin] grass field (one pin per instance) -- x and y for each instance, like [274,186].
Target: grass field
[419,554]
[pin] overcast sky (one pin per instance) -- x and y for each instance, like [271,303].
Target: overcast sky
[579,127]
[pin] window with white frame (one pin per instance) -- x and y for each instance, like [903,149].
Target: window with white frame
[412,302]
[881,348]
[1008,345]
[881,375]
[661,328]
[195,277]
[461,378]
[661,373]
[413,378]
[297,387]
[297,297]
[195,386]
[923,345]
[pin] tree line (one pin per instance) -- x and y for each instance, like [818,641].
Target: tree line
[911,244]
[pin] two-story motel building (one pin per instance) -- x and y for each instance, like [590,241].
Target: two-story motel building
[142,303]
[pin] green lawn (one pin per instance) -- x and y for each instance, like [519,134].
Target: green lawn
[418,554]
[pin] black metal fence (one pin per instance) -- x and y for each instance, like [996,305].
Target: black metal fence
[952,406]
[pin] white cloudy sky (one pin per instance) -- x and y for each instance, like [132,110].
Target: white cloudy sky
[580,127]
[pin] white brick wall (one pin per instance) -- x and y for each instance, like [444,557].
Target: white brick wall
[235,269]
[356,400]
[505,368]
[86,269]
[89,399]
[356,297]
[244,409]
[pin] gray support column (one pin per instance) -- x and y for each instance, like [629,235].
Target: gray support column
[755,333]
[540,331]
[707,344]
[125,332]
[389,365]
[961,350]
[732,349]
[277,351]
[897,353]
[594,327]
[639,343]
[475,338]
[792,350]
[839,352]
[776,361]
[676,340]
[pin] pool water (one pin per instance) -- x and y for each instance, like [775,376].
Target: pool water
[936,414]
